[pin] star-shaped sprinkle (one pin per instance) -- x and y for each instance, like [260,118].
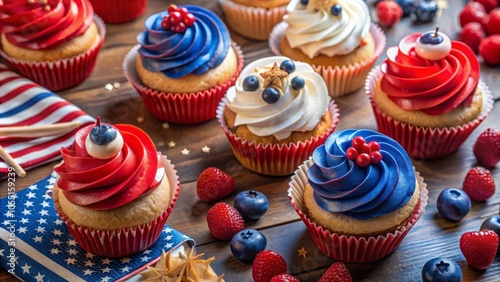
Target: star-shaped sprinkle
[273,77]
[108,86]
[165,125]
[302,252]
[185,151]
[116,84]
[205,149]
[140,119]
[171,144]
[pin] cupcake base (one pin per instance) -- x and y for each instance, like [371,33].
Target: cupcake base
[274,159]
[340,80]
[350,248]
[61,74]
[125,241]
[180,108]
[252,22]
[424,142]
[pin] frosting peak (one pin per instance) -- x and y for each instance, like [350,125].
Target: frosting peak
[302,98]
[44,24]
[363,192]
[431,86]
[198,49]
[316,28]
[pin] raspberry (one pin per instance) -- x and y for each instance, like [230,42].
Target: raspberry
[337,272]
[479,184]
[213,185]
[388,12]
[224,221]
[266,265]
[489,49]
[479,248]
[487,148]
[472,34]
[472,12]
[492,24]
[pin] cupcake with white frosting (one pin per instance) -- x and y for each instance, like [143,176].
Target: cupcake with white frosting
[335,36]
[277,113]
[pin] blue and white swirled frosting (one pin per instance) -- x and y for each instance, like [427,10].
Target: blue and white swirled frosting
[341,185]
[202,47]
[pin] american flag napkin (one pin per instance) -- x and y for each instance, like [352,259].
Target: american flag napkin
[23,102]
[37,242]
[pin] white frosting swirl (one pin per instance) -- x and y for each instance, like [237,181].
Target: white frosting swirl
[316,31]
[295,110]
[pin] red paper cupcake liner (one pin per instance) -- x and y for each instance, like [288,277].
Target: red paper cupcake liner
[349,248]
[180,108]
[340,80]
[425,142]
[63,73]
[252,22]
[119,11]
[125,241]
[273,159]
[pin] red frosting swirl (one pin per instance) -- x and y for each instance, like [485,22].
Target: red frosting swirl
[106,184]
[433,87]
[40,26]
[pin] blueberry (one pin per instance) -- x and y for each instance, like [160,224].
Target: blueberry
[298,83]
[336,10]
[441,270]
[251,204]
[270,95]
[102,134]
[407,6]
[492,223]
[250,83]
[246,244]
[425,10]
[453,204]
[288,66]
[432,38]
[304,2]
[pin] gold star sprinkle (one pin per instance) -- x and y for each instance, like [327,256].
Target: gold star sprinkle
[108,86]
[117,84]
[185,151]
[140,119]
[165,125]
[302,252]
[171,144]
[273,77]
[205,149]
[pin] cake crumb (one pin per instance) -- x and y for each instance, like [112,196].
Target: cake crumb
[302,252]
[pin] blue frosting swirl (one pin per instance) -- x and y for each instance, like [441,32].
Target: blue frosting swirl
[199,49]
[340,185]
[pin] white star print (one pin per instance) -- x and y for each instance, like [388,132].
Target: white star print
[72,251]
[106,261]
[31,195]
[87,272]
[168,246]
[54,251]
[125,269]
[205,149]
[46,196]
[89,255]
[125,260]
[145,258]
[105,279]
[26,212]
[24,220]
[33,187]
[56,242]
[22,230]
[43,212]
[45,204]
[40,229]
[169,237]
[58,222]
[1,252]
[42,221]
[6,222]
[72,242]
[39,277]
[52,180]
[106,270]
[57,232]
[26,268]
[28,204]
[38,239]
[89,263]
[147,251]
[167,230]
[70,261]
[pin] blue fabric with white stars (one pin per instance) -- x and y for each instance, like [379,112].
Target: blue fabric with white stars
[45,250]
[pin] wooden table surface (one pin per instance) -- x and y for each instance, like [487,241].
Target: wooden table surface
[431,237]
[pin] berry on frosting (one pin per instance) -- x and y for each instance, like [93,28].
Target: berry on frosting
[273,81]
[178,19]
[250,83]
[433,45]
[363,153]
[336,10]
[103,141]
[304,2]
[298,83]
[288,66]
[270,95]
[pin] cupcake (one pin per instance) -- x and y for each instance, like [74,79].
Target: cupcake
[358,195]
[184,64]
[336,37]
[427,94]
[253,19]
[114,190]
[119,11]
[54,43]
[277,113]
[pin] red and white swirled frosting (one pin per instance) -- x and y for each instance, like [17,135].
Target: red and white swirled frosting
[433,87]
[44,24]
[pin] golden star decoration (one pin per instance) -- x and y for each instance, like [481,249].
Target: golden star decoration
[171,144]
[205,149]
[302,252]
[273,77]
[185,151]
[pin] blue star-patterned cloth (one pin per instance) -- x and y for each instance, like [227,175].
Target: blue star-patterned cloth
[35,244]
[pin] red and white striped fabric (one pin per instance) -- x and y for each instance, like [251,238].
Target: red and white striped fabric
[23,102]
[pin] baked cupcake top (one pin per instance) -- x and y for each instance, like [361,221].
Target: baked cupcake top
[44,24]
[430,73]
[183,40]
[327,27]
[109,166]
[361,173]
[276,96]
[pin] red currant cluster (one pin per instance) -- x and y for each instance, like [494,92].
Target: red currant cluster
[363,153]
[178,19]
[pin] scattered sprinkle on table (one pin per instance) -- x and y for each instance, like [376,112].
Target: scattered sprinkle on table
[171,144]
[185,151]
[302,252]
[140,119]
[108,87]
[205,149]
[165,125]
